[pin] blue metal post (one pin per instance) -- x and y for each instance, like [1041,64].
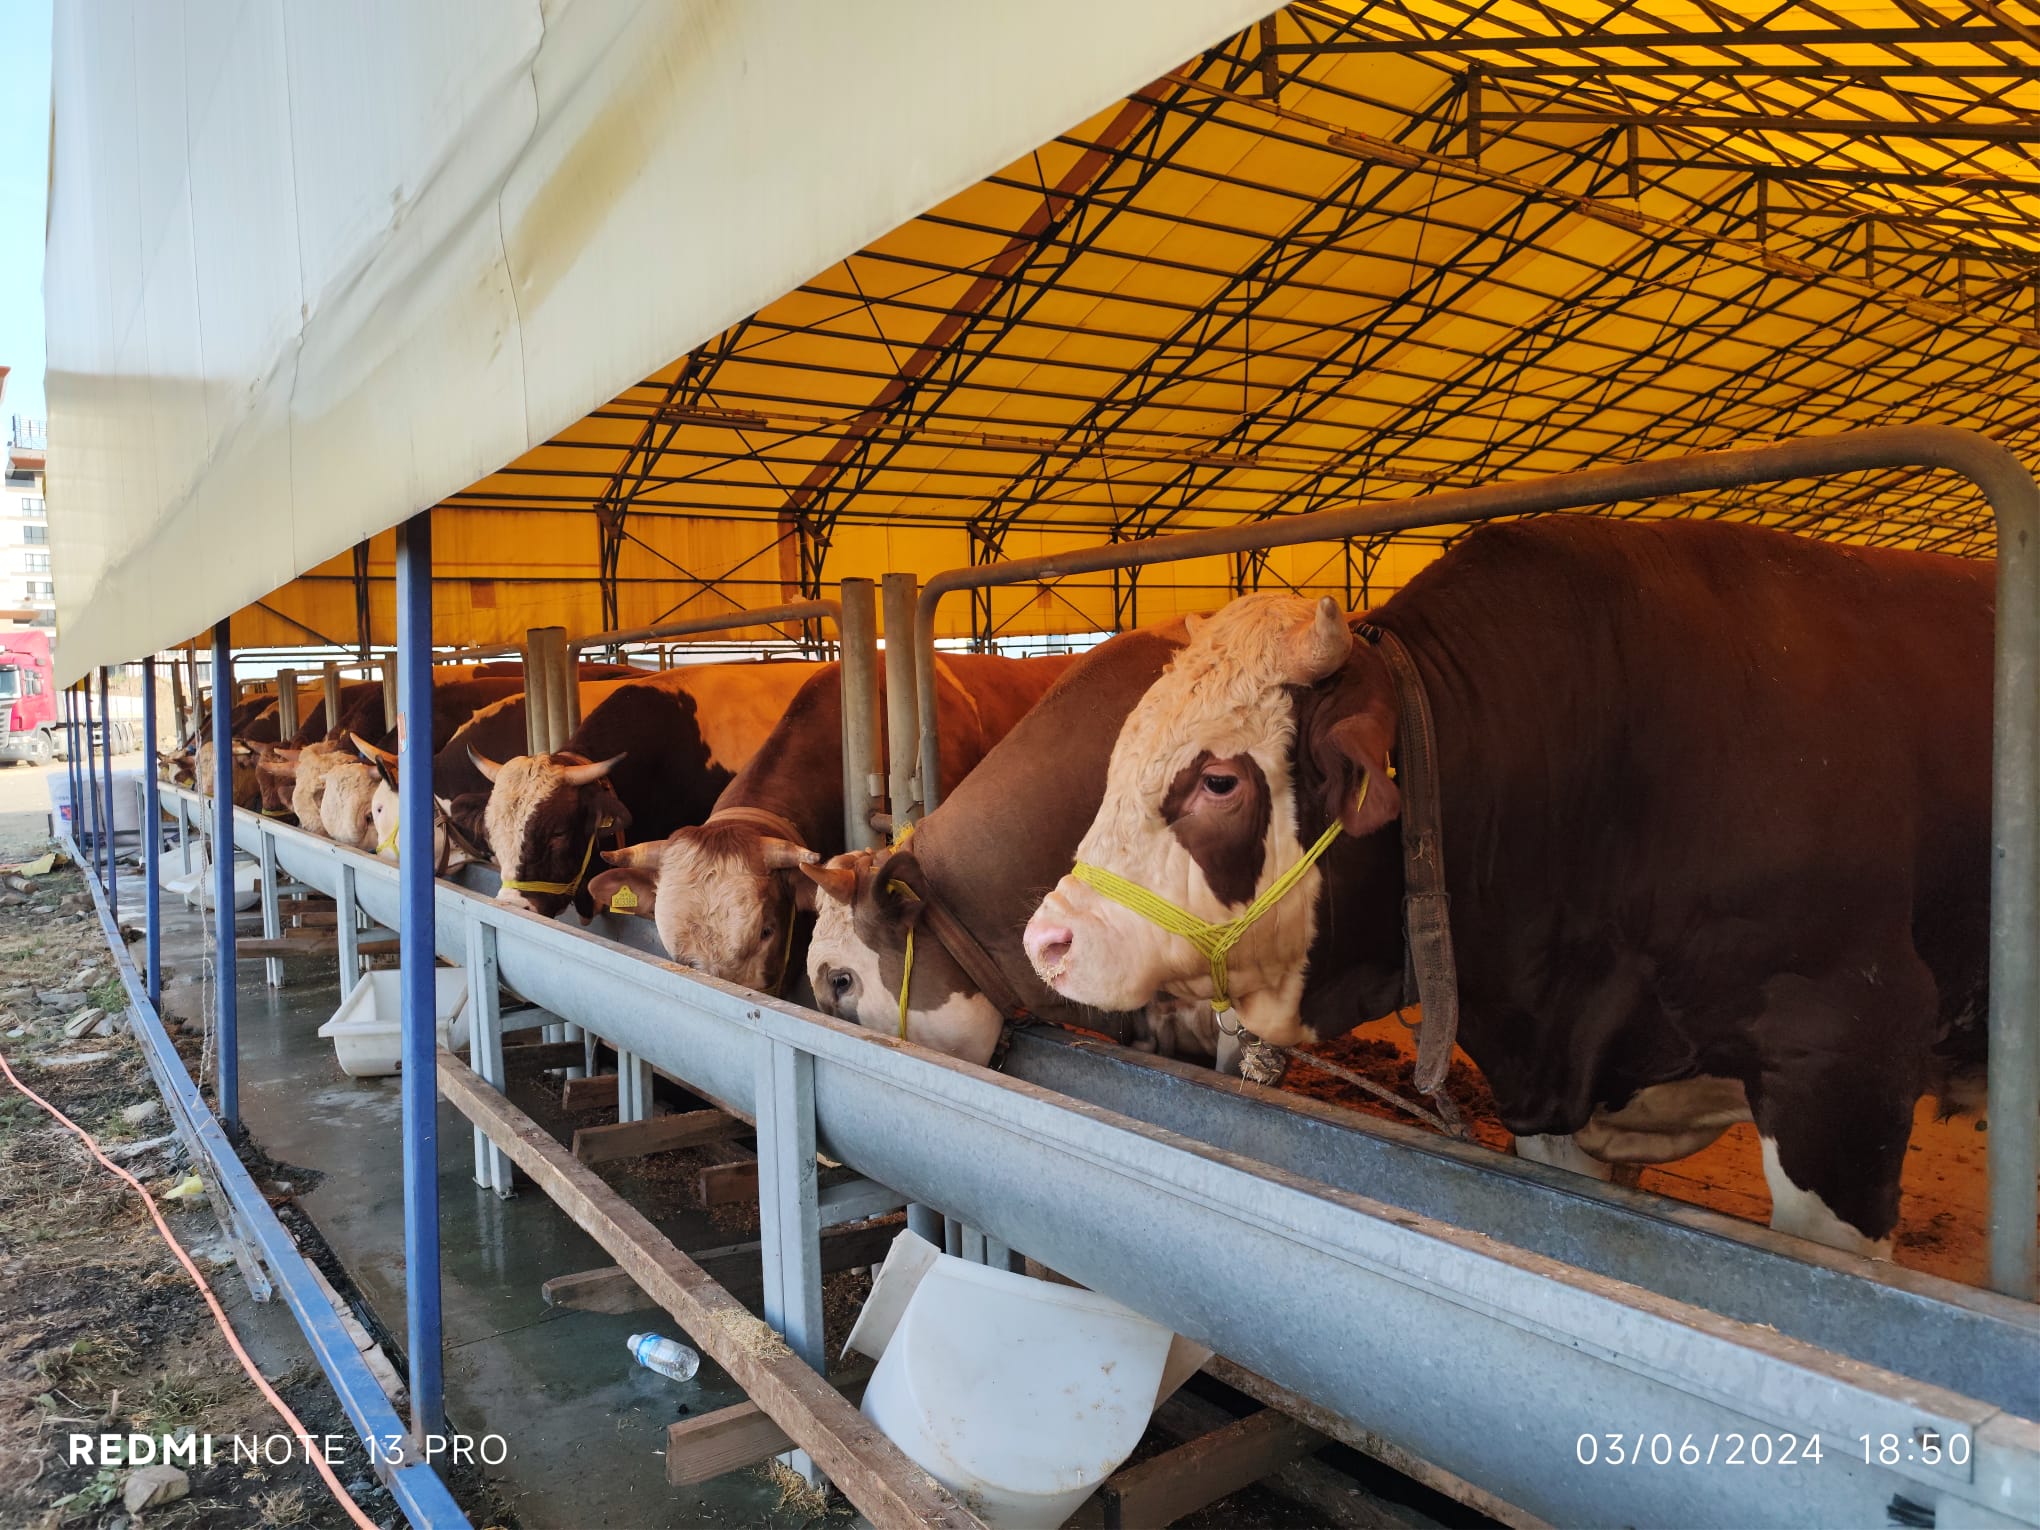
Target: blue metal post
[420,1046]
[74,763]
[91,843]
[226,1027]
[152,838]
[112,817]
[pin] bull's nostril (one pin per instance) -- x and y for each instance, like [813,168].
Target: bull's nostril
[1047,945]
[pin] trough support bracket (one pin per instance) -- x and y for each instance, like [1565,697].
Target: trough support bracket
[789,1210]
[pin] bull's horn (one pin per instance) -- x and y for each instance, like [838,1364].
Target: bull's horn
[1320,645]
[839,882]
[489,768]
[369,751]
[784,854]
[646,855]
[583,775]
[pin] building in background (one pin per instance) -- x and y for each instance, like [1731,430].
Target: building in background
[27,595]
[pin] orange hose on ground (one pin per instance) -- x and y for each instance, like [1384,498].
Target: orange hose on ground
[297,1427]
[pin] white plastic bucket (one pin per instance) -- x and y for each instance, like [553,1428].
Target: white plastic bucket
[367,1029]
[1018,1395]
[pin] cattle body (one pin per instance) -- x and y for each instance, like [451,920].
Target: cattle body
[998,841]
[722,892]
[652,755]
[1715,811]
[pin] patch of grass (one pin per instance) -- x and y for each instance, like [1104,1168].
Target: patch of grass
[285,1507]
[84,1365]
[110,996]
[99,1493]
[180,1397]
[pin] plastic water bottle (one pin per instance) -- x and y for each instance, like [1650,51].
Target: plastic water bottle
[665,1356]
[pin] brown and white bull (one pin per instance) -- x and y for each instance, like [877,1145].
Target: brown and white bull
[722,893]
[653,755]
[983,858]
[1715,812]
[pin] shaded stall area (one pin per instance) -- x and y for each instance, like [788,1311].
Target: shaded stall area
[1045,325]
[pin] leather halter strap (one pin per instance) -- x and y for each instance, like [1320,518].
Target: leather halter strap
[1429,964]
[760,819]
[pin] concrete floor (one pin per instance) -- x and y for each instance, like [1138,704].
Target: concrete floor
[584,1425]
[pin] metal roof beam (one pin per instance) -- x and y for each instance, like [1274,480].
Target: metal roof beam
[1826,127]
[1736,37]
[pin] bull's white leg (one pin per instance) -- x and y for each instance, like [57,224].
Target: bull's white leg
[1804,1214]
[1563,1153]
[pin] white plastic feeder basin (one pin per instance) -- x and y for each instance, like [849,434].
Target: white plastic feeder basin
[1018,1395]
[196,885]
[367,1029]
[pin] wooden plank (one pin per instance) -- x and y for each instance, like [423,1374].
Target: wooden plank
[661,1134]
[589,1093]
[736,1268]
[311,943]
[891,1491]
[1179,1482]
[382,945]
[1391,1455]
[735,1437]
[546,1054]
[726,1184]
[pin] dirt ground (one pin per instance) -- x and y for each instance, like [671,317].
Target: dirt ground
[1943,1226]
[100,1329]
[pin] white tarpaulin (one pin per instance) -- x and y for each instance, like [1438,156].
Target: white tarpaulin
[312,267]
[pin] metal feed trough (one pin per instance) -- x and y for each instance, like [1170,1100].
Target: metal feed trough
[1516,1327]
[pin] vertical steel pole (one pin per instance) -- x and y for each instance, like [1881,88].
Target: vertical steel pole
[485,1046]
[389,692]
[286,705]
[537,725]
[152,837]
[859,636]
[420,1045]
[226,1023]
[73,766]
[789,1211]
[106,857]
[272,907]
[905,790]
[331,683]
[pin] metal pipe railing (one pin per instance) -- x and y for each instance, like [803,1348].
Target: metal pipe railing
[2014,1152]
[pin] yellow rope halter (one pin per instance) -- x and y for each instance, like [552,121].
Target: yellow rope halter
[901,890]
[1212,941]
[564,889]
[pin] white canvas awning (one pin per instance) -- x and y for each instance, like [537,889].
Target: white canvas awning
[312,268]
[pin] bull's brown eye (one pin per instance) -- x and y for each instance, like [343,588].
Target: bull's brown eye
[1220,785]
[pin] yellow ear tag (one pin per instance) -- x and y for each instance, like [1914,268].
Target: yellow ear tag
[624,901]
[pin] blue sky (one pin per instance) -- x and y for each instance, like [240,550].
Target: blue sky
[24,184]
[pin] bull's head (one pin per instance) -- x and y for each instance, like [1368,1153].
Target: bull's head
[547,815]
[722,895]
[1202,809]
[868,905]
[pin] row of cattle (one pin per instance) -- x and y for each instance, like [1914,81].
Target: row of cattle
[1714,804]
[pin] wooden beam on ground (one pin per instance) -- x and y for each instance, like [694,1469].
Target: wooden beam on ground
[1391,1455]
[589,1093]
[736,1268]
[1195,1475]
[546,1054]
[728,1184]
[891,1491]
[382,945]
[661,1134]
[310,943]
[732,1438]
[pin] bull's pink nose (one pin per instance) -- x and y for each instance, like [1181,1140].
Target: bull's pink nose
[1047,945]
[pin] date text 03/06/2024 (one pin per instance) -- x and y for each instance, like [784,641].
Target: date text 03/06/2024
[1763,1448]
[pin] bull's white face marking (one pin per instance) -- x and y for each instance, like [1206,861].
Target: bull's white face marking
[846,975]
[715,913]
[521,787]
[384,818]
[346,811]
[1224,693]
[1803,1214]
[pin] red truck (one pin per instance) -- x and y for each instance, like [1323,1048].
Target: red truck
[28,698]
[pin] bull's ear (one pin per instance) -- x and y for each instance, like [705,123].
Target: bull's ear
[902,887]
[624,890]
[1353,755]
[839,882]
